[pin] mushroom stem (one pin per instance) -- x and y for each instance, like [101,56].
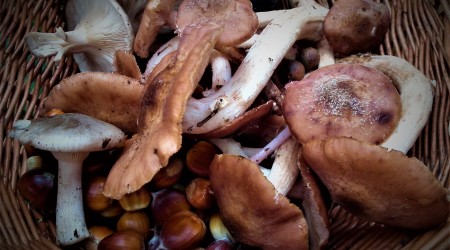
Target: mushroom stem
[168,47]
[326,54]
[70,221]
[235,97]
[272,146]
[221,70]
[232,147]
[284,169]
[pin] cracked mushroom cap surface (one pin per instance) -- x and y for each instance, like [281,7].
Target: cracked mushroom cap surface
[342,100]
[252,210]
[109,97]
[237,18]
[379,185]
[68,132]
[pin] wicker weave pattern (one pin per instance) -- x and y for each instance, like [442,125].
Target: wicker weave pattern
[416,34]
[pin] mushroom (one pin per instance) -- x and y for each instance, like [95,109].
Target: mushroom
[125,64]
[342,100]
[70,138]
[97,30]
[237,18]
[210,113]
[162,108]
[364,179]
[252,210]
[109,97]
[134,9]
[314,207]
[356,26]
[156,15]
[416,96]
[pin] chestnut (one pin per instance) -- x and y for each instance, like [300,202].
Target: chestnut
[114,210]
[184,230]
[95,200]
[127,239]
[199,194]
[199,157]
[168,202]
[38,187]
[136,200]
[137,221]
[169,175]
[97,233]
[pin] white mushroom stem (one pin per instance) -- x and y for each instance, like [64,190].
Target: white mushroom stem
[265,17]
[284,169]
[326,54]
[221,69]
[416,96]
[70,220]
[272,146]
[230,146]
[159,54]
[235,97]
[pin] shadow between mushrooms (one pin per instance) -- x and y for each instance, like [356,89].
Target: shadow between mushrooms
[162,108]
[252,210]
[364,179]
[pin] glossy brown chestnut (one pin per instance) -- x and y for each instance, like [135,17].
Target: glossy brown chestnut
[38,186]
[199,194]
[169,175]
[137,200]
[199,157]
[184,230]
[137,221]
[95,200]
[129,240]
[168,202]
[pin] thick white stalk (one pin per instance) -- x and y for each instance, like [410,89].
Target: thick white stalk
[231,101]
[70,220]
[168,47]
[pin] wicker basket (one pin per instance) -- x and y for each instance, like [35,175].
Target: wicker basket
[416,34]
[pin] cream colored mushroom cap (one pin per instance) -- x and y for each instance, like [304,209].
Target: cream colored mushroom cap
[68,132]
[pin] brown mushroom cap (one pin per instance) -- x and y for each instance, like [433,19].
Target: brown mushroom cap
[342,100]
[356,26]
[251,209]
[379,185]
[237,17]
[109,97]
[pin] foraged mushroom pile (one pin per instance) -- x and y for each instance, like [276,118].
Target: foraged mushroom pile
[242,122]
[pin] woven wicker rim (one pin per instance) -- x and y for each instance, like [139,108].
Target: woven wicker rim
[417,33]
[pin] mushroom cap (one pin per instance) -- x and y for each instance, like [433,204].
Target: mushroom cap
[342,100]
[356,26]
[237,17]
[252,210]
[109,97]
[105,27]
[68,132]
[377,184]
